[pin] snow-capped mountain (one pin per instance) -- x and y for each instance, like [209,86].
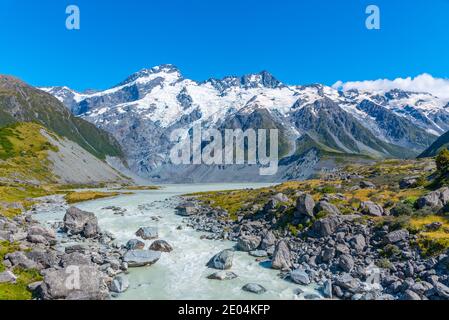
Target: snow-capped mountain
[142,111]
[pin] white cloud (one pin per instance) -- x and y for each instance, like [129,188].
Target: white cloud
[423,83]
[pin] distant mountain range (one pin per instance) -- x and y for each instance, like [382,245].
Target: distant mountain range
[318,123]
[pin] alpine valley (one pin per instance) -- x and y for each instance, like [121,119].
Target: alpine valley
[320,126]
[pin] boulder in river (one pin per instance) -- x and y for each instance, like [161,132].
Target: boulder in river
[222,275]
[254,288]
[281,257]
[268,240]
[140,258]
[147,233]
[161,245]
[119,284]
[222,260]
[77,221]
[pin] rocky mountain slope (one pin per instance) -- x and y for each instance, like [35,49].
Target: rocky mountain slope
[143,110]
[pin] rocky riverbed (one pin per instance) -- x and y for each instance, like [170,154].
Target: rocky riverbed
[348,256]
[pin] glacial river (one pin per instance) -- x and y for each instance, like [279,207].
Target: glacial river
[182,273]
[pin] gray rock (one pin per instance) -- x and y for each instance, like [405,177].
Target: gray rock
[268,240]
[325,227]
[441,290]
[33,238]
[222,260]
[396,236]
[80,283]
[140,258]
[410,295]
[326,207]
[81,222]
[281,257]
[367,185]
[186,209]
[280,197]
[248,243]
[358,242]
[304,206]
[346,281]
[327,289]
[222,275]
[7,277]
[161,245]
[75,259]
[147,233]
[435,199]
[43,257]
[254,288]
[327,254]
[120,284]
[372,209]
[346,263]
[408,182]
[19,259]
[312,296]
[135,244]
[299,276]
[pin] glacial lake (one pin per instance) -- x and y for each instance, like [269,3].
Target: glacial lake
[182,273]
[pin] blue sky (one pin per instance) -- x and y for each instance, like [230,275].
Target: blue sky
[298,41]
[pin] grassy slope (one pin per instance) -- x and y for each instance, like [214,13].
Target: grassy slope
[22,103]
[439,144]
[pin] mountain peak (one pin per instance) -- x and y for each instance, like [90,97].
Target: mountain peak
[145,73]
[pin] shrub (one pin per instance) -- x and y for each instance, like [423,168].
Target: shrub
[442,161]
[402,209]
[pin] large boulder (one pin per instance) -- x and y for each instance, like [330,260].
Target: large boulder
[325,227]
[140,258]
[326,207]
[372,209]
[45,258]
[222,260]
[248,243]
[281,257]
[77,221]
[161,245]
[304,206]
[74,283]
[7,277]
[147,233]
[435,199]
